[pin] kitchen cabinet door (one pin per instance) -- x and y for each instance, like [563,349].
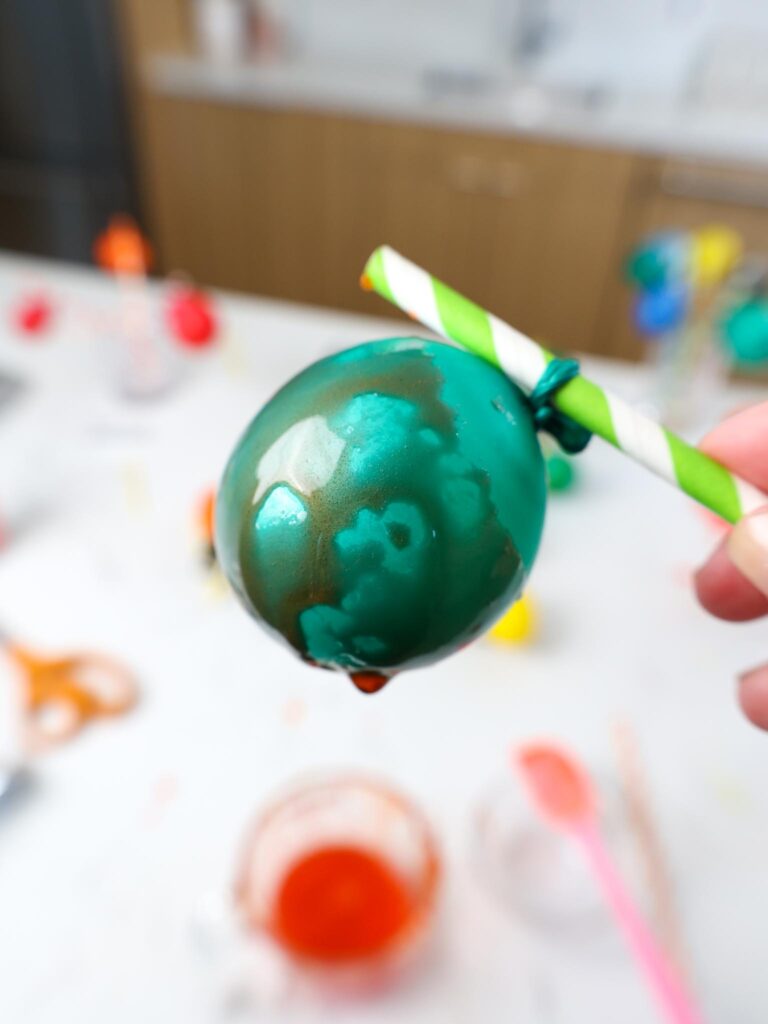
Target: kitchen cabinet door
[236,196]
[529,230]
[290,204]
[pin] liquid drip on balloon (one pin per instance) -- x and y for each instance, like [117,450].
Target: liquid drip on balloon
[369,682]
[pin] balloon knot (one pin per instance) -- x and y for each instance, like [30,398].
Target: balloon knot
[571,436]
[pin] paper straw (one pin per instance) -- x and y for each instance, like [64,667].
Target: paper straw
[449,314]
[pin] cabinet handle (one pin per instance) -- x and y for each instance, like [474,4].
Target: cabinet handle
[473,175]
[684,184]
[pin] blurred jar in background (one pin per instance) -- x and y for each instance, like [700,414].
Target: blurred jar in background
[221,28]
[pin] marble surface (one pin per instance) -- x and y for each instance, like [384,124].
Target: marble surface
[130,832]
[651,123]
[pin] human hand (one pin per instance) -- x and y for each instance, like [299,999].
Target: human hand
[733,584]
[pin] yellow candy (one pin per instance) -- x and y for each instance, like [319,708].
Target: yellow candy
[518,625]
[716,251]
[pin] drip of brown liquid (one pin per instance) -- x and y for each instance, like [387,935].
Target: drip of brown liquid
[369,682]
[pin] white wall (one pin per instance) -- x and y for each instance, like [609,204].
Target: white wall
[423,32]
[649,45]
[653,45]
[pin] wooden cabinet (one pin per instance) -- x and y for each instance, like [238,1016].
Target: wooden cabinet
[234,197]
[290,204]
[526,229]
[154,26]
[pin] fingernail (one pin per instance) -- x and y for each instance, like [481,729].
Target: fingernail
[748,548]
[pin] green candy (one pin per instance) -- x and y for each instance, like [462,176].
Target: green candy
[648,267]
[746,333]
[384,508]
[560,473]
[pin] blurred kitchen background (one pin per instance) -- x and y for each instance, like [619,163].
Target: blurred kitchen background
[517,148]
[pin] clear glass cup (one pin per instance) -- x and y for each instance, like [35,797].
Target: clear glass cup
[319,818]
[540,876]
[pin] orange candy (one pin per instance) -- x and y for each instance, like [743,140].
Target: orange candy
[205,515]
[122,248]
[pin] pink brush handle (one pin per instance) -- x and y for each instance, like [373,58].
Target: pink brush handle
[675,1000]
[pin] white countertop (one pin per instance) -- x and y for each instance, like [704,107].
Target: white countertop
[104,867]
[647,124]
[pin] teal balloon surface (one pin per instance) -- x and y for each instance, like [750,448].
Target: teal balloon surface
[384,507]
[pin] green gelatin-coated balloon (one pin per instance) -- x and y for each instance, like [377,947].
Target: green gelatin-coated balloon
[384,507]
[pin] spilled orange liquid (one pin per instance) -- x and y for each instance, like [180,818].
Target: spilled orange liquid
[340,904]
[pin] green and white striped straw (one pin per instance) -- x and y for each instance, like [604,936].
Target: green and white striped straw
[449,314]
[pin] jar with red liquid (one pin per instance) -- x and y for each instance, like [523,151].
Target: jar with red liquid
[341,874]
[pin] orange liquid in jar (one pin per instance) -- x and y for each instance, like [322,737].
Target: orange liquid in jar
[341,903]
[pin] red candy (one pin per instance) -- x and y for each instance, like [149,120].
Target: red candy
[191,318]
[33,314]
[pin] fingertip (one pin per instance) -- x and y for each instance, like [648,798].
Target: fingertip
[739,442]
[753,696]
[703,588]
[725,592]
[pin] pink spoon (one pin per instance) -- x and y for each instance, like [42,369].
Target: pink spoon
[562,792]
